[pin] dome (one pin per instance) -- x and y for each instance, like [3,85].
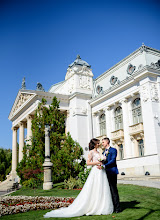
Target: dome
[79,61]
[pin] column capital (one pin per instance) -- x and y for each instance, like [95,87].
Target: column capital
[14,128]
[29,117]
[108,108]
[21,123]
[132,138]
[94,114]
[122,101]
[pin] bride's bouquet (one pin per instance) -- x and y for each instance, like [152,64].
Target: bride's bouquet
[101,158]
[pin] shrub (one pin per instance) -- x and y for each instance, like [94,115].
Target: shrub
[73,183]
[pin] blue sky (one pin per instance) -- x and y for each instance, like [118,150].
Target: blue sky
[40,38]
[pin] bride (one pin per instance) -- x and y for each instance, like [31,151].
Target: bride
[95,197]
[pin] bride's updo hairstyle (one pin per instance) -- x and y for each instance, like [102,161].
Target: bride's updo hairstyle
[92,143]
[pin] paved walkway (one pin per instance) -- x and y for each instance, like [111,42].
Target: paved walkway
[2,193]
[148,183]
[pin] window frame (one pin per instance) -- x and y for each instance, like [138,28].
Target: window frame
[118,118]
[102,124]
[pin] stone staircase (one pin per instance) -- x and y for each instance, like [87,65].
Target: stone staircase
[9,182]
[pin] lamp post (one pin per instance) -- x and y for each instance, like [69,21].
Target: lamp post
[47,165]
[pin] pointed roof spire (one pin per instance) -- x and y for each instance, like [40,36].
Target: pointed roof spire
[78,57]
[23,84]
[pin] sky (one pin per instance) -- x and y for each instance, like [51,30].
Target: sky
[40,38]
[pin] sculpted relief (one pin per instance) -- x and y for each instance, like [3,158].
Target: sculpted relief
[145,94]
[85,82]
[154,93]
[150,94]
[22,98]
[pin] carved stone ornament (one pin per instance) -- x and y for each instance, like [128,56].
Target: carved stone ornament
[84,82]
[130,69]
[79,111]
[71,85]
[145,94]
[80,70]
[143,48]
[155,65]
[39,87]
[22,98]
[113,80]
[154,93]
[140,66]
[99,89]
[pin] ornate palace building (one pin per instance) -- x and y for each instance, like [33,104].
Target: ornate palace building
[123,104]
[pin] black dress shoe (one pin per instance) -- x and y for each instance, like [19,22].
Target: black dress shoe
[117,211]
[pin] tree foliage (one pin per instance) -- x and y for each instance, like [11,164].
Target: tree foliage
[66,154]
[5,162]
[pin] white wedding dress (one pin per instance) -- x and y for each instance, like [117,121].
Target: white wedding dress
[94,198]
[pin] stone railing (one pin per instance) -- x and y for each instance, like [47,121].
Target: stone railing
[136,129]
[119,134]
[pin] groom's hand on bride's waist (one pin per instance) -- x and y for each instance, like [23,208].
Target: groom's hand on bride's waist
[99,167]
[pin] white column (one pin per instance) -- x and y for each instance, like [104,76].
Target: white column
[127,140]
[21,140]
[108,122]
[14,149]
[29,131]
[150,108]
[94,125]
[97,125]
[67,122]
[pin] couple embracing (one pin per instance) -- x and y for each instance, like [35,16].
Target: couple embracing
[99,195]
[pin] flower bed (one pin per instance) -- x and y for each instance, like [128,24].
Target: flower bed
[15,204]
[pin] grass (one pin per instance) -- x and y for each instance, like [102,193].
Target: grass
[137,203]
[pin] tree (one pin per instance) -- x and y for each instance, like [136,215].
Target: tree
[5,163]
[66,154]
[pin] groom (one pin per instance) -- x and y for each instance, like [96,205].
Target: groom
[111,169]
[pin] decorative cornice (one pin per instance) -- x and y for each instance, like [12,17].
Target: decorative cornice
[135,53]
[129,79]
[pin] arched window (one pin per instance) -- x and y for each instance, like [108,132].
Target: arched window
[102,124]
[118,118]
[141,147]
[136,111]
[121,154]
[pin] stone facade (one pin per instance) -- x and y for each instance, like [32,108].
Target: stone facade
[123,103]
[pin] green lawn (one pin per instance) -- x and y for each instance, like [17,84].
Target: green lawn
[137,203]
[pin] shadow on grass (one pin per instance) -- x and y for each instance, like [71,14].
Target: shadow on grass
[132,205]
[129,205]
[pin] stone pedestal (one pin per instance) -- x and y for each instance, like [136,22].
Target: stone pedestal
[48,184]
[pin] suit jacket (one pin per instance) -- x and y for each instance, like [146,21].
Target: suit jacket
[110,163]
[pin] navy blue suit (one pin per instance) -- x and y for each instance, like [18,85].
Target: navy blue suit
[112,171]
[110,163]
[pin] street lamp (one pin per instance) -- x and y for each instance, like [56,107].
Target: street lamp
[47,165]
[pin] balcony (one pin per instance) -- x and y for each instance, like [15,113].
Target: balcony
[101,137]
[136,129]
[116,135]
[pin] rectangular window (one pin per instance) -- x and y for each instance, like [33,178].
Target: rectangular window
[141,148]
[121,154]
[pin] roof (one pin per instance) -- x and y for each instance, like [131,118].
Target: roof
[79,61]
